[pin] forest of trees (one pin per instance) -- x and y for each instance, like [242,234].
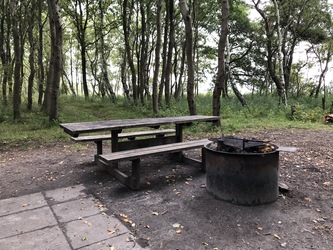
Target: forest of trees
[161,50]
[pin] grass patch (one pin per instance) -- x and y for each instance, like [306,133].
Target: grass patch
[261,113]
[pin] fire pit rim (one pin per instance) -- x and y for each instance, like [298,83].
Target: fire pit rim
[241,153]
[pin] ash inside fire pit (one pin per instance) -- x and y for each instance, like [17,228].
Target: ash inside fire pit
[237,145]
[242,171]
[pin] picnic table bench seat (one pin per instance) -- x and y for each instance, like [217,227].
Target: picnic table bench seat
[134,155]
[98,139]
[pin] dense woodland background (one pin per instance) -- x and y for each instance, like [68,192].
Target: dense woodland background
[157,52]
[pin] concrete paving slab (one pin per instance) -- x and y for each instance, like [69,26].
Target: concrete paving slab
[72,210]
[22,203]
[26,221]
[65,218]
[50,238]
[121,242]
[94,229]
[66,194]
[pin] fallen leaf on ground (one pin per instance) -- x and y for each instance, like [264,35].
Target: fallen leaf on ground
[327,183]
[307,230]
[308,199]
[277,236]
[176,225]
[129,239]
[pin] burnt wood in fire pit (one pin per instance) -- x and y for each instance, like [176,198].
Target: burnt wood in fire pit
[237,145]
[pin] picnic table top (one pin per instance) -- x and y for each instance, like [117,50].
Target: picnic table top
[86,127]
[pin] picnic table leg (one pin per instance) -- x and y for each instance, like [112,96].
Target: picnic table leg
[179,138]
[179,132]
[135,185]
[203,160]
[99,145]
[115,140]
[114,144]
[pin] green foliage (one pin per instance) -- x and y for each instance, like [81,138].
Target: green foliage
[305,115]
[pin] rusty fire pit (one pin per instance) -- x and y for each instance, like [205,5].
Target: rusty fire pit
[241,171]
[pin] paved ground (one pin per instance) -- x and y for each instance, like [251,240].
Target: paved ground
[172,210]
[65,218]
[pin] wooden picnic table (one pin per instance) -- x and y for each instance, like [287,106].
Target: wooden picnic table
[117,126]
[74,129]
[129,149]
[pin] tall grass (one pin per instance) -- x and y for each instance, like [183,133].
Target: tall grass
[262,112]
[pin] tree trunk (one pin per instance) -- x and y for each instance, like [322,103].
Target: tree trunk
[123,76]
[18,62]
[270,63]
[31,57]
[143,53]
[56,56]
[168,69]
[179,88]
[84,66]
[105,74]
[229,76]
[128,51]
[283,96]
[41,73]
[5,49]
[238,94]
[324,71]
[70,83]
[221,74]
[189,56]
[82,24]
[164,53]
[157,57]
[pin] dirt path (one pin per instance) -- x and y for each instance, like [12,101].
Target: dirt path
[173,209]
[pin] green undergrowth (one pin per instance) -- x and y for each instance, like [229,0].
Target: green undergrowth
[262,112]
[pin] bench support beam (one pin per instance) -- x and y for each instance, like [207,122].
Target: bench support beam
[132,181]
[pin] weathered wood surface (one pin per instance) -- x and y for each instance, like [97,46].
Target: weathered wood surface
[75,129]
[133,180]
[161,149]
[129,135]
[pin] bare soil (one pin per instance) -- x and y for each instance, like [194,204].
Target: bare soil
[173,210]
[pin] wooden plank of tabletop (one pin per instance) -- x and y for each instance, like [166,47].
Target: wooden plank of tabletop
[84,127]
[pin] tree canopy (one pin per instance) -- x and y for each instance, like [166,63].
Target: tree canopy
[156,51]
